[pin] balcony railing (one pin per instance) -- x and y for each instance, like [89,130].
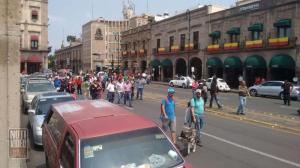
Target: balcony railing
[125,54]
[271,43]
[142,52]
[175,49]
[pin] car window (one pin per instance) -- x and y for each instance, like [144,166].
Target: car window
[34,102]
[142,148]
[276,84]
[67,156]
[208,80]
[181,78]
[45,104]
[56,127]
[40,87]
[267,84]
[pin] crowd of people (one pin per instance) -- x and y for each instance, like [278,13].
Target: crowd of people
[117,86]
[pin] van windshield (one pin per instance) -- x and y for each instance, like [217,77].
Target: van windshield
[143,148]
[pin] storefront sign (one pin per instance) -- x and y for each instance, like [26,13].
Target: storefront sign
[249,7]
[18,143]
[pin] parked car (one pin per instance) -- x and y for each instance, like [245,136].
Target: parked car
[34,87]
[222,85]
[40,106]
[182,82]
[92,134]
[273,88]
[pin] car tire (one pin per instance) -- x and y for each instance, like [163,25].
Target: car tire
[183,85]
[253,92]
[281,95]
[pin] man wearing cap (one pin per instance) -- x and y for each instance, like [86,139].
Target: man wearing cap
[167,116]
[197,104]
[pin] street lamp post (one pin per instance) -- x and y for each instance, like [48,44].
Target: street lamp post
[112,62]
[159,73]
[188,13]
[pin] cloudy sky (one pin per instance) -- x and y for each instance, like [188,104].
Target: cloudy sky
[67,16]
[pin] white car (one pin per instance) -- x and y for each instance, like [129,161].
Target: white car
[273,88]
[183,81]
[222,85]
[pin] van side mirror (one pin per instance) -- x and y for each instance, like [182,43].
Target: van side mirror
[31,111]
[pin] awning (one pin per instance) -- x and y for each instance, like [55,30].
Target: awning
[233,62]
[34,59]
[234,30]
[282,61]
[215,34]
[34,37]
[214,62]
[155,63]
[256,27]
[166,63]
[283,23]
[256,62]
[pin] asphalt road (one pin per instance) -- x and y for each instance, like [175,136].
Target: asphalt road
[228,142]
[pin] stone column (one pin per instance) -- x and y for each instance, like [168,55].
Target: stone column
[9,77]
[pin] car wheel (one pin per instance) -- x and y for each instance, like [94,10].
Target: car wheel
[253,92]
[281,95]
[183,85]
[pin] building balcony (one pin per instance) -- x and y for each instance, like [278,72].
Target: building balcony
[231,46]
[142,52]
[124,54]
[278,42]
[251,45]
[175,49]
[133,53]
[254,44]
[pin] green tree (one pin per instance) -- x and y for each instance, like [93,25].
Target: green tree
[51,61]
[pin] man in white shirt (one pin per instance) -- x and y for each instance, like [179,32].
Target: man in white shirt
[119,89]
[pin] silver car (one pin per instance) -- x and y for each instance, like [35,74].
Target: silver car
[273,88]
[34,87]
[39,108]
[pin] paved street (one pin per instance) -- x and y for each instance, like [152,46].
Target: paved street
[268,136]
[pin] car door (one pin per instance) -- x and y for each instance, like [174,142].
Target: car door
[52,137]
[67,151]
[34,104]
[276,89]
[263,89]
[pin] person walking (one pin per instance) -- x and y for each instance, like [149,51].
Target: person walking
[57,83]
[214,93]
[243,93]
[167,115]
[119,89]
[204,90]
[110,91]
[132,81]
[94,89]
[127,92]
[140,87]
[287,87]
[79,83]
[197,109]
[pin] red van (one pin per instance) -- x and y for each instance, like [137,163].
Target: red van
[90,134]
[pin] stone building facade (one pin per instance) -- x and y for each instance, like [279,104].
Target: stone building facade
[34,35]
[258,39]
[101,44]
[70,57]
[10,15]
[136,48]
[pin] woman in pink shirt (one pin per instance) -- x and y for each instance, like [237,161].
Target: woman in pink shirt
[127,92]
